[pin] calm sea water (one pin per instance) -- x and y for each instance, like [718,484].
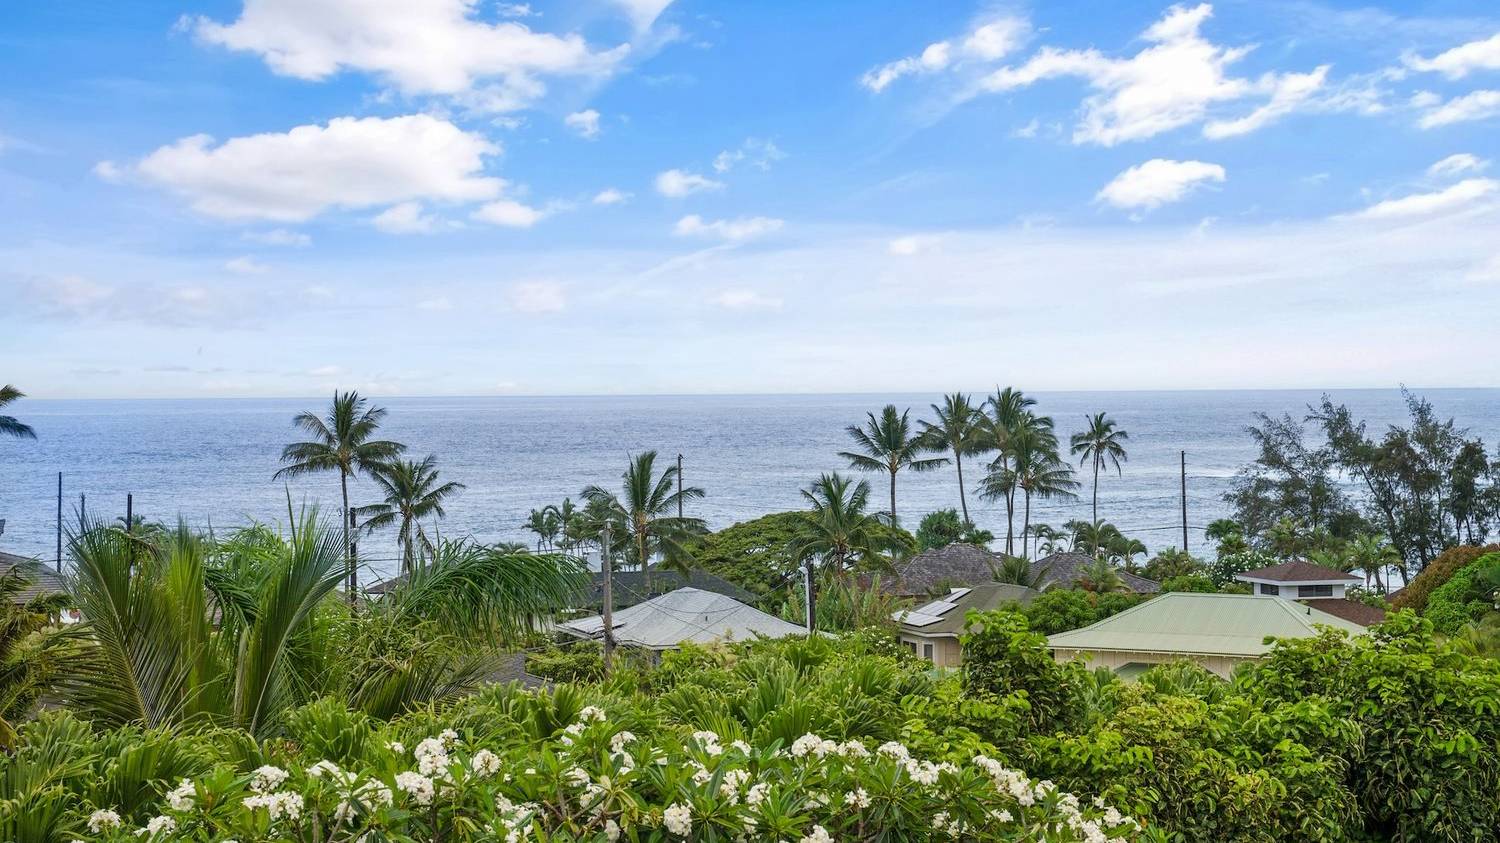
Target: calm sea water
[211,461]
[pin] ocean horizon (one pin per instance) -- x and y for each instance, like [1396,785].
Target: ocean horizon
[210,461]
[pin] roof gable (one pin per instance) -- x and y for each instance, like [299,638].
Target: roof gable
[1298,571]
[936,570]
[687,614]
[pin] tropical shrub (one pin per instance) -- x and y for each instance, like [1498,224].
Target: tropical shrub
[1061,609]
[1438,571]
[943,527]
[1003,658]
[1466,597]
[582,661]
[1426,766]
[1190,582]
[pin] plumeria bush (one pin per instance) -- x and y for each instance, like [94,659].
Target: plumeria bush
[595,780]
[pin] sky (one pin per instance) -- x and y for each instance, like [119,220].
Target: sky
[466,197]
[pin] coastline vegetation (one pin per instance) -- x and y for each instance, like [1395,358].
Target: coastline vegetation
[244,687]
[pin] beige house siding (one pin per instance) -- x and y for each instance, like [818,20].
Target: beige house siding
[1114,660]
[945,651]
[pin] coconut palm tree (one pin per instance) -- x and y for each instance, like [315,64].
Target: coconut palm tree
[1371,555]
[544,523]
[413,492]
[1008,411]
[644,514]
[9,426]
[957,429]
[888,445]
[1042,475]
[1100,442]
[1017,571]
[342,441]
[1100,577]
[836,531]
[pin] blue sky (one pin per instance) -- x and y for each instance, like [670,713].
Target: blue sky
[279,197]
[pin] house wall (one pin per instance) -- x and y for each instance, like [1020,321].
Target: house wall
[1221,665]
[945,651]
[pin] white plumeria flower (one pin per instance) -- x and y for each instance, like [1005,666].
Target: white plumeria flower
[103,820]
[678,818]
[267,778]
[485,763]
[182,797]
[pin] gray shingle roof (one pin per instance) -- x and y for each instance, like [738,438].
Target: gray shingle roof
[44,580]
[629,586]
[687,614]
[941,568]
[1064,569]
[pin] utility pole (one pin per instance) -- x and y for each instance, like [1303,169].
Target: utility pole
[1184,502]
[679,485]
[812,609]
[129,513]
[607,568]
[59,522]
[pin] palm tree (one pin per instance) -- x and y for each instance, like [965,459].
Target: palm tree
[1017,571]
[1371,554]
[544,523]
[1100,442]
[888,446]
[837,531]
[565,514]
[1042,475]
[412,492]
[342,441]
[28,652]
[643,512]
[1099,577]
[957,429]
[9,426]
[1009,410]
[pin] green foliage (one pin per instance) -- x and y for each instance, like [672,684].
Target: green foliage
[944,527]
[1061,609]
[1425,767]
[580,662]
[1436,573]
[1223,569]
[755,555]
[1191,582]
[1004,659]
[1466,597]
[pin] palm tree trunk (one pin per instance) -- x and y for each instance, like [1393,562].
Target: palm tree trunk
[1010,522]
[893,498]
[640,544]
[348,546]
[1096,492]
[1026,529]
[958,460]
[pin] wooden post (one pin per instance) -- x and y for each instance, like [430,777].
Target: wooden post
[812,608]
[607,568]
[59,522]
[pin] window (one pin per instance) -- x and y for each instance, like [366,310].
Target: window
[927,652]
[1314,591]
[1266,588]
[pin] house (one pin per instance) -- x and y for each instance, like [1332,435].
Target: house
[628,586]
[44,580]
[1322,588]
[687,614]
[1062,570]
[932,629]
[1218,631]
[935,571]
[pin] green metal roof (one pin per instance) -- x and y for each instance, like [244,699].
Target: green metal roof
[1201,624]
[945,615]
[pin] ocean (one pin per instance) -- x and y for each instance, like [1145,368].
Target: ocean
[210,461]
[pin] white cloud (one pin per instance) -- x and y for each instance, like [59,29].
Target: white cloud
[986,42]
[912,244]
[537,297]
[1456,197]
[760,154]
[1159,182]
[1477,105]
[643,13]
[245,265]
[1461,60]
[278,237]
[740,299]
[585,123]
[1458,164]
[610,196]
[516,10]
[349,163]
[435,304]
[109,171]
[680,183]
[1171,83]
[509,213]
[735,230]
[432,47]
[405,218]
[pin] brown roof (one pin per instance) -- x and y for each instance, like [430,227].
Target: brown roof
[1298,572]
[935,571]
[1064,569]
[44,580]
[1350,610]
